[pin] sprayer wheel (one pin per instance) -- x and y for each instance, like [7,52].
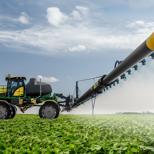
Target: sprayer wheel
[4,110]
[13,111]
[49,110]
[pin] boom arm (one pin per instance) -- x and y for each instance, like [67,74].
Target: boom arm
[137,55]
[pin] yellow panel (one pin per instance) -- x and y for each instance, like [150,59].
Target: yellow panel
[150,42]
[19,92]
[3,89]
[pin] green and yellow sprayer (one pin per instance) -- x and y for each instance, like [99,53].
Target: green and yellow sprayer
[17,93]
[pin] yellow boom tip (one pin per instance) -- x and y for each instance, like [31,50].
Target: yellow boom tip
[150,42]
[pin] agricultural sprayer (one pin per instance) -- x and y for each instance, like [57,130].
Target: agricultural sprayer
[19,94]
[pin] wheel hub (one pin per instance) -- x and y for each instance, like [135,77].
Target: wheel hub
[3,112]
[49,112]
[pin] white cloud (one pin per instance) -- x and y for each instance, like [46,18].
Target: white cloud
[76,15]
[141,26]
[50,79]
[82,10]
[71,39]
[79,13]
[24,18]
[77,48]
[137,24]
[55,16]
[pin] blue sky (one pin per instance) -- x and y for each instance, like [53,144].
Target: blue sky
[70,39]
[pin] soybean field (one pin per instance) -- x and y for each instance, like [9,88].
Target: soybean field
[78,134]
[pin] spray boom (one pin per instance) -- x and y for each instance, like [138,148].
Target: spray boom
[123,67]
[119,72]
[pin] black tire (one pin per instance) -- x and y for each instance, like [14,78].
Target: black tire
[49,110]
[4,110]
[13,111]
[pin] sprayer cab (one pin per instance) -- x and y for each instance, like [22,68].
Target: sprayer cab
[15,86]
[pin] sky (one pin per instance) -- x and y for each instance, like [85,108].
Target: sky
[69,40]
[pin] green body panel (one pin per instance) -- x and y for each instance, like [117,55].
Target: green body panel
[28,101]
